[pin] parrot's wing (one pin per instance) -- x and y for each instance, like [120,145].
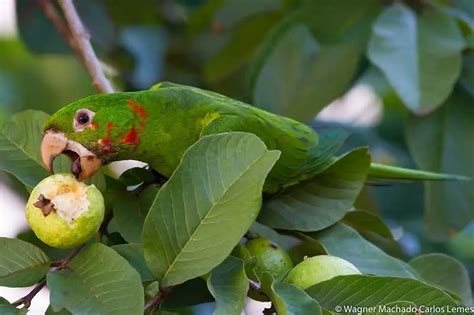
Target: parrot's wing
[293,143]
[320,155]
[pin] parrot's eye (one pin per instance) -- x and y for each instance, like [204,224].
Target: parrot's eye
[82,119]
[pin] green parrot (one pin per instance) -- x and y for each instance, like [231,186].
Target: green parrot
[156,126]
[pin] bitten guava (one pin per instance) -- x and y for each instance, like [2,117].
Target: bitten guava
[64,212]
[317,269]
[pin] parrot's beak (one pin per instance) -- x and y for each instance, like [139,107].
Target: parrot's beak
[84,162]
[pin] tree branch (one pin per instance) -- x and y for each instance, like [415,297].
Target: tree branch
[62,264]
[26,300]
[77,37]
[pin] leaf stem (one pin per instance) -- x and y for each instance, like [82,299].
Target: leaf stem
[157,299]
[76,36]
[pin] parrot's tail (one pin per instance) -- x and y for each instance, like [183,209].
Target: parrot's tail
[322,155]
[380,171]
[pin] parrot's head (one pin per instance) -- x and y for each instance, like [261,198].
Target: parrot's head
[94,131]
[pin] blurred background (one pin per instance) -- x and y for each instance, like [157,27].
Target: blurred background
[324,63]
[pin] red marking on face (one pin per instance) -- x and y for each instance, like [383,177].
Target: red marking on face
[106,145]
[137,109]
[93,126]
[137,128]
[106,142]
[131,137]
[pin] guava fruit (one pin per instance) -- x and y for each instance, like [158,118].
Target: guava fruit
[317,269]
[64,212]
[265,257]
[269,257]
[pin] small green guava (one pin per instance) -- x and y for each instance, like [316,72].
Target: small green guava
[64,212]
[263,256]
[319,268]
[269,257]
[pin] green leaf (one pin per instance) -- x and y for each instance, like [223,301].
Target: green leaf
[466,80]
[258,229]
[136,175]
[97,281]
[129,217]
[294,301]
[333,21]
[98,179]
[21,264]
[20,139]
[361,290]
[50,311]
[364,221]
[130,212]
[241,47]
[51,252]
[286,298]
[440,143]
[235,11]
[132,13]
[37,31]
[192,292]
[133,253]
[206,206]
[444,272]
[297,77]
[7,309]
[420,56]
[321,201]
[41,37]
[202,16]
[228,284]
[342,241]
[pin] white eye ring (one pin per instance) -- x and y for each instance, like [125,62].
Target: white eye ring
[82,119]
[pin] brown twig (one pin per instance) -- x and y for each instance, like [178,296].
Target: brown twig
[26,300]
[66,260]
[77,37]
[62,264]
[84,47]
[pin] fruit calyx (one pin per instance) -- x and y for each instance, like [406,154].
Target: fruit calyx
[44,204]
